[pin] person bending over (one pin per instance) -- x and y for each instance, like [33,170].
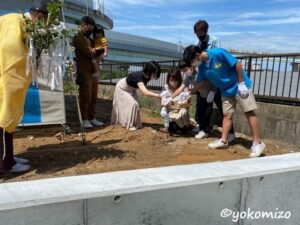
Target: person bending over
[225,72]
[126,110]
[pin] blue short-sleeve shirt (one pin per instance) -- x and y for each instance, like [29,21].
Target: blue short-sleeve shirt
[221,72]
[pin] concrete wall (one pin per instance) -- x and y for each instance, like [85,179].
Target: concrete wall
[279,122]
[178,195]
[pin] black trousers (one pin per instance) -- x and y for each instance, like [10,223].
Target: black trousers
[8,162]
[204,111]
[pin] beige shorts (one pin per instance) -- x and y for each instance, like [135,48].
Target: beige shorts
[248,104]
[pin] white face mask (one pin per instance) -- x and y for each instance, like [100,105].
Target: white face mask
[197,63]
[189,72]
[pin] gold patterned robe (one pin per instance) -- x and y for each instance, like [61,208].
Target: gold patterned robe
[14,82]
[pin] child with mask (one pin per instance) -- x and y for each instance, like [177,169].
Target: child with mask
[188,83]
[175,109]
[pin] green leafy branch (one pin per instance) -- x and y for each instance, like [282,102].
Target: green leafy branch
[45,32]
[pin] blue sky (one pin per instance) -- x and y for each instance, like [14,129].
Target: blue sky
[259,25]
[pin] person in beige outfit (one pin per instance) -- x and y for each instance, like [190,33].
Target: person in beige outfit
[126,109]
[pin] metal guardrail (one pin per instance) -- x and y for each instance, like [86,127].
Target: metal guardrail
[276,78]
[112,73]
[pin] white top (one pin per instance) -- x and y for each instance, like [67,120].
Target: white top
[213,42]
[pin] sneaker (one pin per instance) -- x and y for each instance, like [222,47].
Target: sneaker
[21,160]
[87,124]
[257,149]
[132,128]
[19,168]
[96,123]
[218,144]
[164,130]
[201,135]
[231,138]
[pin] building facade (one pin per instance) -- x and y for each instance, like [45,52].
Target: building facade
[122,47]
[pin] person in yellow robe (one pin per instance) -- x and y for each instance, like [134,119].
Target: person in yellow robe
[14,81]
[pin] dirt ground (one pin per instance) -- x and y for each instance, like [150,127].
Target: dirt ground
[113,148]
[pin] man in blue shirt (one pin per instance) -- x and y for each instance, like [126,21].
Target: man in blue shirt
[225,72]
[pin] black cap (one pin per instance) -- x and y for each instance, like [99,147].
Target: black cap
[40,6]
[88,20]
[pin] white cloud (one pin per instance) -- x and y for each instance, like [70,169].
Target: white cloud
[226,33]
[120,3]
[251,15]
[145,27]
[245,30]
[287,16]
[284,1]
[262,41]
[291,20]
[190,16]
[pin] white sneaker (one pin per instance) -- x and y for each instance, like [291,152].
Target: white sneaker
[231,138]
[201,135]
[96,123]
[21,160]
[87,124]
[132,128]
[218,144]
[19,168]
[257,149]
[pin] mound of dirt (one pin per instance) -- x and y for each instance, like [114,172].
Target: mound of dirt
[113,148]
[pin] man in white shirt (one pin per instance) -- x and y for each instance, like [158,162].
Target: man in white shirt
[204,107]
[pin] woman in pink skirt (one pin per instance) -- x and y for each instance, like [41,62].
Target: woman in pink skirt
[125,104]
